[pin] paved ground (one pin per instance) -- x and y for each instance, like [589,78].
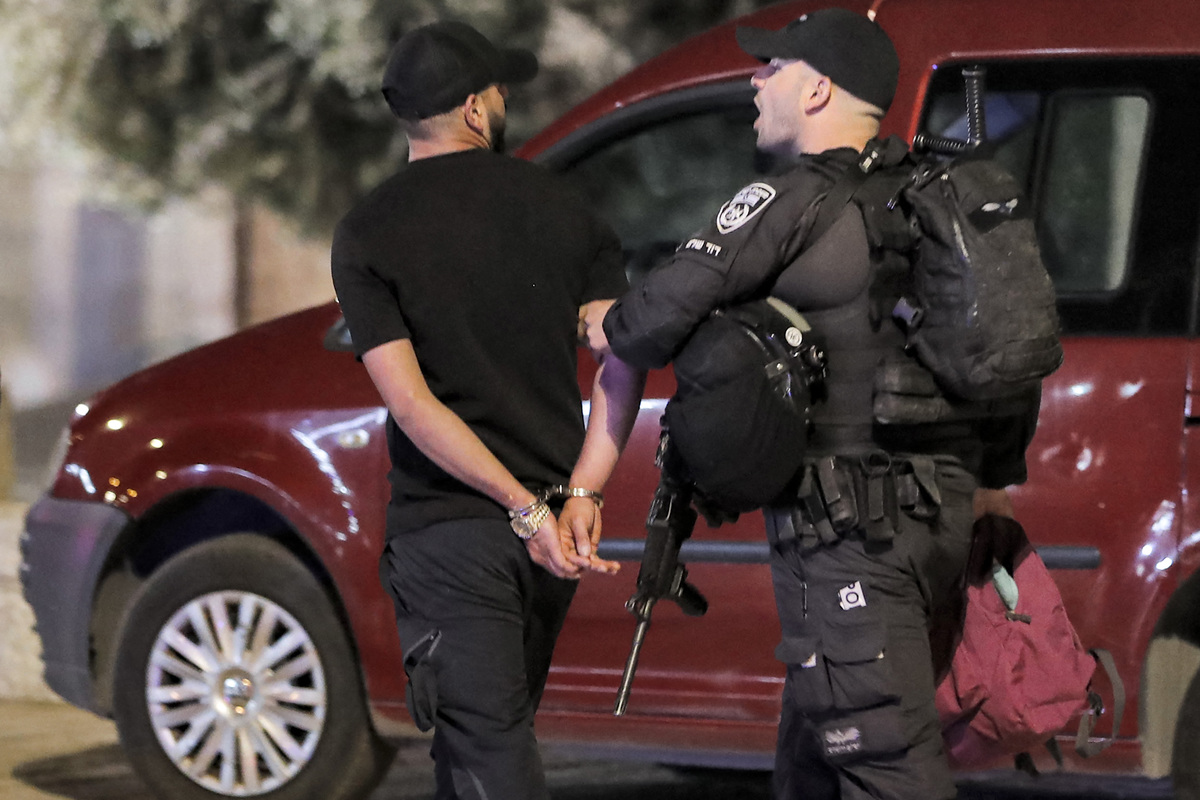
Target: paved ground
[47,747]
[51,750]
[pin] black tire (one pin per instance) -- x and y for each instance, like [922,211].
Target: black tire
[1185,754]
[233,655]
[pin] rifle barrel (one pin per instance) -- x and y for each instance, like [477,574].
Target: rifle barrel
[635,650]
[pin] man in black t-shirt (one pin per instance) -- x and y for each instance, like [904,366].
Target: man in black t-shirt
[467,280]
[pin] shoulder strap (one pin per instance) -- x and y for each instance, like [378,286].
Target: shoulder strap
[1083,744]
[843,191]
[872,157]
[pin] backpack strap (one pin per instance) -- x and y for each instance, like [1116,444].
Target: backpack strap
[875,155]
[830,206]
[1083,744]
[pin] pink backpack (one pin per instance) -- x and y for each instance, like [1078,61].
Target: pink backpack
[1019,673]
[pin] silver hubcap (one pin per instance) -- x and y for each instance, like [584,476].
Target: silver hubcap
[236,693]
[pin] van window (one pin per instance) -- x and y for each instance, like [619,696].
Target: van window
[1102,148]
[1093,160]
[658,184]
[1093,146]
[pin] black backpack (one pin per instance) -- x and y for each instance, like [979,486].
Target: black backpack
[973,297]
[739,418]
[981,315]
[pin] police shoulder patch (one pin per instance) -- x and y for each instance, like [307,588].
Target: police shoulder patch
[744,205]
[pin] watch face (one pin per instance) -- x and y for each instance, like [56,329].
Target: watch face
[526,524]
[520,526]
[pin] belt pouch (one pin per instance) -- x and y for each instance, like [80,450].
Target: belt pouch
[916,488]
[817,525]
[837,490]
[879,523]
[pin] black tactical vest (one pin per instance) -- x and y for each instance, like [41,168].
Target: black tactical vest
[859,332]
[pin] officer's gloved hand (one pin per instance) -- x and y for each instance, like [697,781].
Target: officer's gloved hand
[997,540]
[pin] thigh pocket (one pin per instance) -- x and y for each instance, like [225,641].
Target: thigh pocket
[420,695]
[860,674]
[807,672]
[840,667]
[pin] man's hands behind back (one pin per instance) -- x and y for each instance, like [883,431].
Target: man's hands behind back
[565,545]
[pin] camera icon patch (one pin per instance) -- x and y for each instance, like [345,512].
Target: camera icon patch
[852,596]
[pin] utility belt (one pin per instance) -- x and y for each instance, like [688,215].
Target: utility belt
[868,493]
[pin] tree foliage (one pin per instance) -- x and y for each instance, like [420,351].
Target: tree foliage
[278,100]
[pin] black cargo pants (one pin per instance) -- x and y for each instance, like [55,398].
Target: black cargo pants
[858,716]
[477,621]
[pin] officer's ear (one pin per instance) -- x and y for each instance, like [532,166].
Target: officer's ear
[816,93]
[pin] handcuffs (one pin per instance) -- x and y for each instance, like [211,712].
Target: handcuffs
[526,520]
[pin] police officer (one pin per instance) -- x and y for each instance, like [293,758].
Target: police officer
[466,280]
[873,535]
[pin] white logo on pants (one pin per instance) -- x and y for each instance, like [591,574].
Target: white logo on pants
[852,596]
[843,742]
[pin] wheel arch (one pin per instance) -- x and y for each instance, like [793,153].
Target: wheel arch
[175,524]
[1171,662]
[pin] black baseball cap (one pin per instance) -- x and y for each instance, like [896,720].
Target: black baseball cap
[851,49]
[435,67]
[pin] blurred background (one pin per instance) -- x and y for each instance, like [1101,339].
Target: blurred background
[171,170]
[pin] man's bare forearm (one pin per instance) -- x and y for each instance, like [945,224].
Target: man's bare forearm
[451,444]
[436,430]
[616,395]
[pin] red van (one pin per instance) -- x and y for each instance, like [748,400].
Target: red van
[204,567]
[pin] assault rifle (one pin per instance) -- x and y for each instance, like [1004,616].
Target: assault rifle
[661,576]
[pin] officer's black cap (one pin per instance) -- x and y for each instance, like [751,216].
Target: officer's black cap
[435,67]
[852,50]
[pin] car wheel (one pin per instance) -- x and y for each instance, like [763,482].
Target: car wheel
[235,678]
[1185,755]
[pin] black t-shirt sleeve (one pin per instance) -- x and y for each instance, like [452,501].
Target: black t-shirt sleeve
[606,274]
[369,303]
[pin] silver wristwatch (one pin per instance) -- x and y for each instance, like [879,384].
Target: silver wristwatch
[526,521]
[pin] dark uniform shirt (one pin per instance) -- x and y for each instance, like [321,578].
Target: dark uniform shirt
[482,261]
[757,245]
